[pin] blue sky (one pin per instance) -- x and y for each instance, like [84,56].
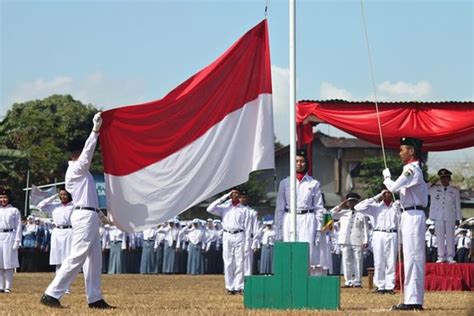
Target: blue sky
[114,53]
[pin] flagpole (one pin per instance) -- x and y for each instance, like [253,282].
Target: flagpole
[292,104]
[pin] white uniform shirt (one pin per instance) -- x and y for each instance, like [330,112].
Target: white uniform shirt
[234,217]
[385,217]
[171,235]
[10,218]
[308,197]
[61,213]
[196,236]
[149,234]
[79,181]
[445,203]
[411,186]
[116,235]
[464,242]
[268,236]
[353,227]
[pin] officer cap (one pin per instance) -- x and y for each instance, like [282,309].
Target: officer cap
[352,196]
[410,141]
[302,153]
[237,188]
[444,173]
[7,192]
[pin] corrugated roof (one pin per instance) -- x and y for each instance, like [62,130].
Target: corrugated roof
[390,102]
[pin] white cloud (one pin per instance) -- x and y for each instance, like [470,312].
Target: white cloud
[95,88]
[401,90]
[328,91]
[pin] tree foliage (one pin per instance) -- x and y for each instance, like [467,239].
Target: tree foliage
[41,130]
[371,173]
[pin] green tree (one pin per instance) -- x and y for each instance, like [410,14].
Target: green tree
[42,130]
[371,173]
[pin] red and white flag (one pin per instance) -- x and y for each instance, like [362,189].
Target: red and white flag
[205,136]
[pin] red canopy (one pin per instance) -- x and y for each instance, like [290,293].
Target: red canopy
[441,125]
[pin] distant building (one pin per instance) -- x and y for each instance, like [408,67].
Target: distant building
[336,161]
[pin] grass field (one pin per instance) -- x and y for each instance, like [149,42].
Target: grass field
[199,295]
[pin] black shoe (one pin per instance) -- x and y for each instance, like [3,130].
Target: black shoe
[230,292]
[101,304]
[377,291]
[392,292]
[2,291]
[358,286]
[50,301]
[407,307]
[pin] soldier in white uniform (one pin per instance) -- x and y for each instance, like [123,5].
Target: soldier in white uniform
[463,246]
[353,235]
[445,211]
[309,201]
[431,244]
[253,222]
[10,239]
[413,199]
[235,221]
[61,237]
[385,216]
[85,220]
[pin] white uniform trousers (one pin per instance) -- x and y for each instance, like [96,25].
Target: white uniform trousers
[306,231]
[85,253]
[248,262]
[444,231]
[385,258]
[233,257]
[352,264]
[413,239]
[6,279]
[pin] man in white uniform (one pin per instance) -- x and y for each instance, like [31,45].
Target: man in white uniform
[10,239]
[353,237]
[445,210]
[85,220]
[309,202]
[384,239]
[61,237]
[235,221]
[413,199]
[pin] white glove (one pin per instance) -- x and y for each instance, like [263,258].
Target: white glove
[386,173]
[16,245]
[397,205]
[97,121]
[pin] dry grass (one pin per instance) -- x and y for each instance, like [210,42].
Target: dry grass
[199,295]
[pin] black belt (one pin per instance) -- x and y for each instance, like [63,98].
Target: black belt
[234,231]
[6,230]
[63,226]
[385,231]
[151,239]
[87,208]
[116,242]
[300,211]
[416,207]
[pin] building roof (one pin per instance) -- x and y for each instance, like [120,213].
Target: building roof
[334,142]
[398,103]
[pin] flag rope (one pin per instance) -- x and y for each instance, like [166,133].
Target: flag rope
[381,141]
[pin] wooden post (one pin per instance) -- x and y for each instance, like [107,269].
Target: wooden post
[370,273]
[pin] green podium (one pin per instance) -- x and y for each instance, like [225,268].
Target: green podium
[291,286]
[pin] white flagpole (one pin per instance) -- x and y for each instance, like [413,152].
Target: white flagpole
[292,104]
